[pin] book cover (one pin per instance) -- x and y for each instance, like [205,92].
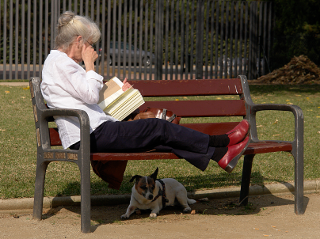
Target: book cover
[118,103]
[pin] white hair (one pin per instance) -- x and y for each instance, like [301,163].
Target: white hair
[71,26]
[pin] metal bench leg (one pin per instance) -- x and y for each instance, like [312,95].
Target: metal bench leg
[299,208]
[85,199]
[39,189]
[246,175]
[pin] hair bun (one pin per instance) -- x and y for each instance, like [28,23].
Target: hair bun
[65,18]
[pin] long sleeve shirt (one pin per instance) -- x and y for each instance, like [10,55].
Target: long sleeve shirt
[65,84]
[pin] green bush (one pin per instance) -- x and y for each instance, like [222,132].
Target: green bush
[296,31]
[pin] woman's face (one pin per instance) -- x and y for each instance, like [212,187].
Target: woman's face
[77,48]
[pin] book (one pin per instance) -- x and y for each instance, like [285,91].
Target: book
[116,102]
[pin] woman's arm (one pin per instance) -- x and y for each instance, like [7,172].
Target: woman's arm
[79,83]
[89,56]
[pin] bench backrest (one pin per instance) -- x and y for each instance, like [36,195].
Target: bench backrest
[210,107]
[195,108]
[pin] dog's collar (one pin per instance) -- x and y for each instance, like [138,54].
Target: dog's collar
[162,193]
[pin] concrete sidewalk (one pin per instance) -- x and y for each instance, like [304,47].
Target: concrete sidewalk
[6,83]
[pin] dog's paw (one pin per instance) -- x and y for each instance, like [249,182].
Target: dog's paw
[153,215]
[187,209]
[124,216]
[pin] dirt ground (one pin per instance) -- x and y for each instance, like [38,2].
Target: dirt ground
[266,216]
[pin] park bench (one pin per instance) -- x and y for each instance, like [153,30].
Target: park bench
[211,107]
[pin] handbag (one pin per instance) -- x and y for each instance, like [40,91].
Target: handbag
[164,114]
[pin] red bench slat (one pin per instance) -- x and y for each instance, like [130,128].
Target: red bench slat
[253,148]
[188,87]
[198,108]
[54,137]
[268,147]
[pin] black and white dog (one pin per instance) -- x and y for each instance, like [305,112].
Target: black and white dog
[149,192]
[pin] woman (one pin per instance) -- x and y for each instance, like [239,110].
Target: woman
[67,85]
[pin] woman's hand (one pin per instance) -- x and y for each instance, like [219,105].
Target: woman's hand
[126,85]
[89,56]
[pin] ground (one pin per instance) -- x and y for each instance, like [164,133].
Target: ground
[266,216]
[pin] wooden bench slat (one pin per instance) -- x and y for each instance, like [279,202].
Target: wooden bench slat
[132,156]
[188,87]
[54,137]
[253,148]
[268,147]
[199,108]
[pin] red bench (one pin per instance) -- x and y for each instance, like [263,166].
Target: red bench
[243,107]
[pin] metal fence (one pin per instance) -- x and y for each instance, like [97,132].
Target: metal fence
[145,39]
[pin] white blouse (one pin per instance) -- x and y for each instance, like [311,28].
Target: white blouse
[65,84]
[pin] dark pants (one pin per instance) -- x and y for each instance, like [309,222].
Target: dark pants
[153,133]
[146,134]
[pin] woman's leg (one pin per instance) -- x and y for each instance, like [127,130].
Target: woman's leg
[192,145]
[153,134]
[148,134]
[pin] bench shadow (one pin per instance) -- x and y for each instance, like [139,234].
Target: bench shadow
[102,214]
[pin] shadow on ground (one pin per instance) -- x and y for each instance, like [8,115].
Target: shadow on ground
[110,214]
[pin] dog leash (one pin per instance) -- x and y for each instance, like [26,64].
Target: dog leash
[162,193]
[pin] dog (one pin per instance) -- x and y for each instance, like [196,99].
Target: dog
[150,193]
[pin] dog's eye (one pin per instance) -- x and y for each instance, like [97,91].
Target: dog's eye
[143,187]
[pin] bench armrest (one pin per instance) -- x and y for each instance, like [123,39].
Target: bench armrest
[252,109]
[47,114]
[296,110]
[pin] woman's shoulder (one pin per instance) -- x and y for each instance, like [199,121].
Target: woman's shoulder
[60,60]
[58,56]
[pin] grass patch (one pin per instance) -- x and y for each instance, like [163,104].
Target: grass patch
[18,149]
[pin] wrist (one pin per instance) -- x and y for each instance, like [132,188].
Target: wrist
[89,67]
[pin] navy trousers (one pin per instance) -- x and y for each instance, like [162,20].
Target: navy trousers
[153,133]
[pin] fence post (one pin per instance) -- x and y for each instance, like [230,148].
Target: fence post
[199,40]
[253,41]
[159,40]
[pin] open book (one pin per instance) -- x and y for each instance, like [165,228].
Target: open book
[118,103]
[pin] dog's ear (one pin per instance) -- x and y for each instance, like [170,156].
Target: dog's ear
[154,175]
[135,177]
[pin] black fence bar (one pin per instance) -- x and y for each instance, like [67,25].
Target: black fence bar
[147,39]
[159,39]
[270,24]
[199,46]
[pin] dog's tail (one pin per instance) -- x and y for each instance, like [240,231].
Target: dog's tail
[191,201]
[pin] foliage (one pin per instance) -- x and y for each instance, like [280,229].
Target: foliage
[297,30]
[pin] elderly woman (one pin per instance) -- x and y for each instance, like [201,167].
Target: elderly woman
[67,85]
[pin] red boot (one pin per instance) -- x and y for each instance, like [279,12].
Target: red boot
[238,133]
[230,159]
